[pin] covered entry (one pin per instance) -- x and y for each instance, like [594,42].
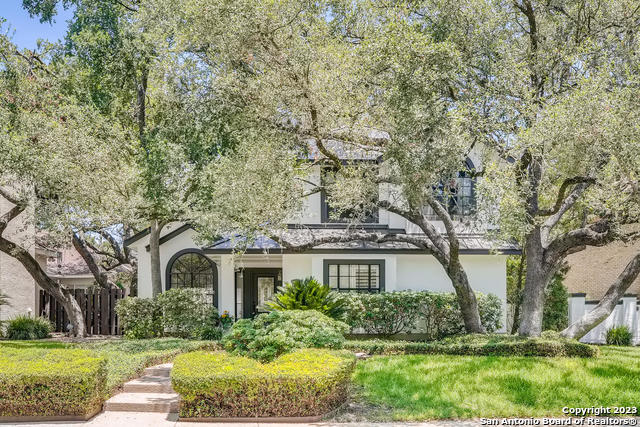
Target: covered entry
[254,287]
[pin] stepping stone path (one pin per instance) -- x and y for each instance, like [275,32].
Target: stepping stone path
[150,393]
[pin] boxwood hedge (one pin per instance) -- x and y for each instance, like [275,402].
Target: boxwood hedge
[479,345]
[307,382]
[50,382]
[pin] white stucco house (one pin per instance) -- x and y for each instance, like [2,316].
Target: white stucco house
[240,284]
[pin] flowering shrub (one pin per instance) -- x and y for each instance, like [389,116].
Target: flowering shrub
[304,383]
[435,314]
[271,334]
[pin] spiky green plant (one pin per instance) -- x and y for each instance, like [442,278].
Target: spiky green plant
[308,294]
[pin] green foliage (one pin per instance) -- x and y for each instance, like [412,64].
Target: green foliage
[270,335]
[421,387]
[139,317]
[435,314]
[304,383]
[28,328]
[50,381]
[177,312]
[619,335]
[480,345]
[126,359]
[186,314]
[555,315]
[308,294]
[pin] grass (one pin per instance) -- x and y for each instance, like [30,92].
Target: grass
[418,387]
[126,359]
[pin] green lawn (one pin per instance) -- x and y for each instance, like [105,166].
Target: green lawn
[419,387]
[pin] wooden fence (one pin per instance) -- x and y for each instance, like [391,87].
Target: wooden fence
[97,305]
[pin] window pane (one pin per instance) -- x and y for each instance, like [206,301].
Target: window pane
[345,282]
[333,282]
[344,270]
[333,269]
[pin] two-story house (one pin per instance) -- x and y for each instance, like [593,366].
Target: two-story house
[241,283]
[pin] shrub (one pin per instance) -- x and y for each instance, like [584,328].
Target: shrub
[479,345]
[28,328]
[186,314]
[619,335]
[140,317]
[555,316]
[177,312]
[304,383]
[435,314]
[308,294]
[50,382]
[271,334]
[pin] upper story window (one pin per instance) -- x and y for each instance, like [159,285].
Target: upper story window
[329,214]
[354,275]
[457,194]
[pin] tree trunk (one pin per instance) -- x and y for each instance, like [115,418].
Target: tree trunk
[518,302]
[154,250]
[100,276]
[71,307]
[600,312]
[467,301]
[537,277]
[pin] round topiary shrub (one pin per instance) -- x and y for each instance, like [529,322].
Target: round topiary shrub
[28,328]
[619,335]
[271,334]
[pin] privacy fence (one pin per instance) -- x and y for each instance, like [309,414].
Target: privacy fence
[625,313]
[97,305]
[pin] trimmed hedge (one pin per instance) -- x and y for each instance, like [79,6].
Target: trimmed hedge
[479,345]
[434,314]
[50,382]
[307,382]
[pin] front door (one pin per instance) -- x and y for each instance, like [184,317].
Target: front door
[259,286]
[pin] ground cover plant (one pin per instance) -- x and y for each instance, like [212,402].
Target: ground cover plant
[306,382]
[123,359]
[418,387]
[126,359]
[272,334]
[50,380]
[550,345]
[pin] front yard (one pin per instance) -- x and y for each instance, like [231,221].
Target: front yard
[418,387]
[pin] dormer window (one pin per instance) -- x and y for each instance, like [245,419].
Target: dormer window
[457,194]
[330,214]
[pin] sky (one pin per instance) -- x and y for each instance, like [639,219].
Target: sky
[25,31]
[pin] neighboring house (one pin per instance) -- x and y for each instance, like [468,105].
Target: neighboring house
[591,273]
[241,283]
[64,265]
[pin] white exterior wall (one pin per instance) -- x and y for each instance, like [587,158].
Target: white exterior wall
[625,313]
[15,281]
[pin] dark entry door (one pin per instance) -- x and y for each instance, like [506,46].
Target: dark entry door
[259,286]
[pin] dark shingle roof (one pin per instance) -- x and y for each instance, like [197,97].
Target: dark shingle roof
[469,243]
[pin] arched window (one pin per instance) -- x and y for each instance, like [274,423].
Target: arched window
[190,268]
